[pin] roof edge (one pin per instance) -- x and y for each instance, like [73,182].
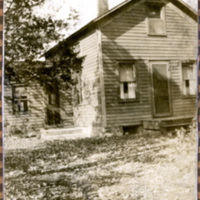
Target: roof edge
[95,21]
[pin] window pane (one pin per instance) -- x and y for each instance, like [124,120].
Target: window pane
[19,91]
[132,90]
[189,83]
[127,73]
[187,72]
[156,26]
[193,87]
[22,106]
[128,90]
[122,91]
[25,106]
[154,11]
[20,99]
[53,99]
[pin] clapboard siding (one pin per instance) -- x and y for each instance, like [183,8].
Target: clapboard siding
[125,38]
[181,104]
[35,118]
[88,112]
[35,115]
[66,108]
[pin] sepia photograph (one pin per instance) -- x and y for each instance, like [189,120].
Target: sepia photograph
[100,99]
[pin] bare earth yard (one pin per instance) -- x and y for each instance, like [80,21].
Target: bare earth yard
[134,167]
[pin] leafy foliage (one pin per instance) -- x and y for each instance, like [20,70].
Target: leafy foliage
[28,36]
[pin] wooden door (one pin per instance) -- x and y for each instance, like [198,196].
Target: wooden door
[161,89]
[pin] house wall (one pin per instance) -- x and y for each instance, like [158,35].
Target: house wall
[66,108]
[88,113]
[125,38]
[35,118]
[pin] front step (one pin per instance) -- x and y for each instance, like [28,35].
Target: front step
[65,133]
[157,124]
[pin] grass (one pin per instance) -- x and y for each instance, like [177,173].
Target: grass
[134,167]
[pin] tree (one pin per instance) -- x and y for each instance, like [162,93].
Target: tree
[28,36]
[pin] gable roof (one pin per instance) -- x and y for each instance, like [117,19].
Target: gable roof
[94,23]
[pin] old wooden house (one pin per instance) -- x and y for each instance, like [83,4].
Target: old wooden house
[140,67]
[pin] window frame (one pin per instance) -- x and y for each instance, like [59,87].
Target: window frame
[162,17]
[134,65]
[193,66]
[20,99]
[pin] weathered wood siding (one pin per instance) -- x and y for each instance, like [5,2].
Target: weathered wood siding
[66,108]
[88,112]
[125,38]
[35,118]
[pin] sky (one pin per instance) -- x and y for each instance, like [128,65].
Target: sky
[87,9]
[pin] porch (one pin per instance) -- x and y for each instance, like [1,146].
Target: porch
[162,123]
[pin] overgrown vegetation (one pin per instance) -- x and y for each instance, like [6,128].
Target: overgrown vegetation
[134,167]
[28,36]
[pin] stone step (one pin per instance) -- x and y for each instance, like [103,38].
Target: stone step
[65,133]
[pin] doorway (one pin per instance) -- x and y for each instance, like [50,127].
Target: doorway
[161,89]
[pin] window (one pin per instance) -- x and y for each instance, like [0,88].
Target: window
[20,100]
[53,98]
[53,107]
[128,85]
[156,22]
[189,81]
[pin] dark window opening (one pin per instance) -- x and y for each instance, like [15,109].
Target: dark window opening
[125,87]
[187,83]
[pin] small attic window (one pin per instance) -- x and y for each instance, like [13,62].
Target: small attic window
[156,22]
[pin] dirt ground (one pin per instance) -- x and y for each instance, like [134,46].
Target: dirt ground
[14,143]
[134,167]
